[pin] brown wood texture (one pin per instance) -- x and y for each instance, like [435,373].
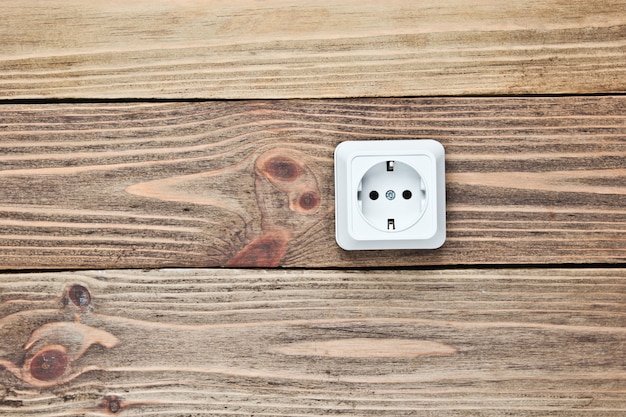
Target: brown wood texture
[258,342]
[142,185]
[292,49]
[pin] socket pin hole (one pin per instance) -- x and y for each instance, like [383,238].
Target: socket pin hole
[407,194]
[374,195]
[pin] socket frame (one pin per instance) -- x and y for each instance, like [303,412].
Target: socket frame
[353,159]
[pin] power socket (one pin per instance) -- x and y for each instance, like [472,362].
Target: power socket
[390,194]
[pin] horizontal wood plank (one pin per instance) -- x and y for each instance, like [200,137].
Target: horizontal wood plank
[257,342]
[529,181]
[291,49]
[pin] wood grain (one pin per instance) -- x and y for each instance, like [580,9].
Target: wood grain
[258,342]
[291,49]
[142,185]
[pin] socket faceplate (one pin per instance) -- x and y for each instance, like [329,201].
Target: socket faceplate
[390,194]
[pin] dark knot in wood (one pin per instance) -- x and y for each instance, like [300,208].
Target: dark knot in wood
[49,364]
[79,296]
[112,404]
[309,200]
[287,171]
[282,168]
[266,251]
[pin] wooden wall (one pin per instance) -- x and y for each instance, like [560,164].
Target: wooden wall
[167,208]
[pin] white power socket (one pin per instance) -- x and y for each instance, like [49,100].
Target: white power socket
[390,194]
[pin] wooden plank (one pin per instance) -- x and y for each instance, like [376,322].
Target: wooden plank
[529,180]
[291,49]
[256,342]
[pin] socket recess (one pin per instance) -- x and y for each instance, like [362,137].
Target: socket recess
[390,194]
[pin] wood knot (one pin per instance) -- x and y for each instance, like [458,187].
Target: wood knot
[112,404]
[79,296]
[282,168]
[309,201]
[49,364]
[57,346]
[266,251]
[287,171]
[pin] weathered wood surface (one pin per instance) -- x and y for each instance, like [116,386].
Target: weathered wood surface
[256,342]
[293,49]
[529,180]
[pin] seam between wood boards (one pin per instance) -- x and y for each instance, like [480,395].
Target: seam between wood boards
[210,100]
[552,266]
